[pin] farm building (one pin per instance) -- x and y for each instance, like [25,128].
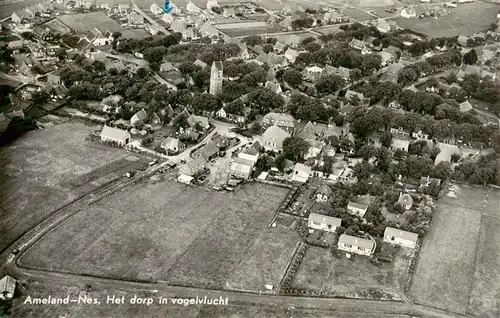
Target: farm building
[7,287]
[273,138]
[323,222]
[185,179]
[208,151]
[170,144]
[400,237]
[356,245]
[193,167]
[139,118]
[111,134]
[284,121]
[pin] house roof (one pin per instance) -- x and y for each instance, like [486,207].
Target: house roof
[280,119]
[405,199]
[208,150]
[141,115]
[465,106]
[280,46]
[200,63]
[273,86]
[114,133]
[409,236]
[349,94]
[275,132]
[170,142]
[357,43]
[254,149]
[308,132]
[357,205]
[193,119]
[356,241]
[325,189]
[8,284]
[195,163]
[399,143]
[319,218]
[302,168]
[241,165]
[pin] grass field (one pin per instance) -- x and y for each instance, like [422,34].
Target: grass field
[457,269]
[169,231]
[467,19]
[320,271]
[35,169]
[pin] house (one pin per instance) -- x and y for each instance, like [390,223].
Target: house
[408,12]
[405,200]
[170,144]
[358,209]
[356,245]
[15,45]
[241,168]
[313,73]
[167,67]
[357,44]
[350,94]
[465,107]
[221,113]
[392,72]
[251,153]
[139,118]
[216,76]
[155,9]
[274,86]
[419,135]
[323,193]
[208,151]
[135,18]
[382,25]
[193,167]
[200,63]
[17,17]
[462,40]
[387,58]
[280,47]
[426,181]
[400,237]
[315,147]
[282,120]
[7,287]
[400,144]
[301,173]
[291,55]
[202,121]
[111,134]
[273,137]
[323,222]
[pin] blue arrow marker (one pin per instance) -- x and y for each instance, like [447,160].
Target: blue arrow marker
[168,8]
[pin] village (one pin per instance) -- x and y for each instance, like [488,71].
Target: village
[349,123]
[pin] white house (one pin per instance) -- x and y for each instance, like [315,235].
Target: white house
[405,200]
[400,144]
[323,222]
[7,287]
[408,12]
[358,209]
[221,113]
[400,237]
[170,144]
[323,193]
[301,173]
[273,137]
[241,168]
[356,245]
[112,134]
[251,153]
[139,118]
[291,55]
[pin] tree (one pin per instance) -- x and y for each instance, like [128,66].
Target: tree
[256,129]
[495,142]
[367,151]
[279,162]
[181,121]
[386,139]
[264,163]
[313,47]
[40,97]
[267,48]
[293,77]
[329,84]
[294,148]
[61,54]
[470,57]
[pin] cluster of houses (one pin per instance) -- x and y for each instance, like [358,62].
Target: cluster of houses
[357,245]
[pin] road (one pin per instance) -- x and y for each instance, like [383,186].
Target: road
[21,78]
[163,81]
[127,58]
[151,20]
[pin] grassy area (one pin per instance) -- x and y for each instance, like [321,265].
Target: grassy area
[320,271]
[461,251]
[467,19]
[165,231]
[35,169]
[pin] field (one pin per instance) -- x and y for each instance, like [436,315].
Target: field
[35,171]
[277,5]
[169,231]
[458,261]
[85,22]
[320,271]
[467,19]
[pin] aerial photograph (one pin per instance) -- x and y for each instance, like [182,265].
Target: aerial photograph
[260,158]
